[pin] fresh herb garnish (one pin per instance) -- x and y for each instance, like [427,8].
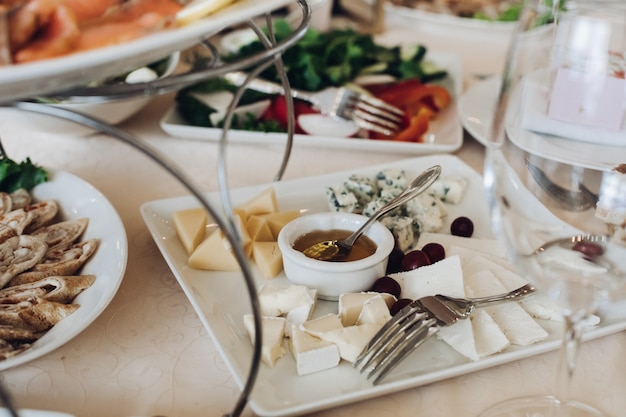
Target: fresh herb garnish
[15,175]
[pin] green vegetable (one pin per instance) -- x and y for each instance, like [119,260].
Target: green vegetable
[334,58]
[23,175]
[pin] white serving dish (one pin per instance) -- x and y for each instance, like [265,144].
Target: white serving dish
[445,134]
[78,199]
[278,391]
[331,279]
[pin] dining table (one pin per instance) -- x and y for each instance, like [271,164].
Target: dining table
[148,353]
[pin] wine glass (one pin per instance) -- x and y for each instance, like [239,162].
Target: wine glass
[556,185]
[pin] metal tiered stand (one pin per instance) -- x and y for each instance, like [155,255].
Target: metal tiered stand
[211,68]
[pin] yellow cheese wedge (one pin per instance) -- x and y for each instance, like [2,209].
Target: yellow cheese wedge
[277,220]
[214,254]
[190,227]
[262,203]
[245,236]
[259,230]
[268,258]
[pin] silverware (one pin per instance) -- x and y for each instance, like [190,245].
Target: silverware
[573,200]
[330,250]
[365,111]
[415,323]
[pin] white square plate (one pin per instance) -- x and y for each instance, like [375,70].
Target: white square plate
[220,299]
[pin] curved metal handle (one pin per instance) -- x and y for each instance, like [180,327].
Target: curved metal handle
[496,299]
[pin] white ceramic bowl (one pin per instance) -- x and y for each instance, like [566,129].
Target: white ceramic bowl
[112,112]
[331,279]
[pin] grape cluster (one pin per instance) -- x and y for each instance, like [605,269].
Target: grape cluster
[427,255]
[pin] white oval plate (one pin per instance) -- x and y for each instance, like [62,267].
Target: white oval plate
[475,111]
[78,199]
[41,77]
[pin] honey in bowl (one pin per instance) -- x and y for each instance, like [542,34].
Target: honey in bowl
[363,246]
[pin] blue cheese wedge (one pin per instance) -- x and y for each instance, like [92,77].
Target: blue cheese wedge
[391,178]
[427,211]
[311,353]
[363,187]
[341,199]
[402,229]
[449,188]
[273,329]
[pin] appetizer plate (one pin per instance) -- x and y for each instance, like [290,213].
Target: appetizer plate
[39,78]
[475,111]
[78,199]
[496,28]
[446,132]
[220,299]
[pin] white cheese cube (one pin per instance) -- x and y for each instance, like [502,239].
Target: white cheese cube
[273,329]
[351,304]
[322,324]
[311,353]
[351,340]
[341,199]
[279,300]
[374,311]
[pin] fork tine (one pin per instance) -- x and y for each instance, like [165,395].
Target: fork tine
[412,341]
[380,104]
[388,335]
[369,122]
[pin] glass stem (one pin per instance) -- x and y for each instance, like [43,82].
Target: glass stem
[567,356]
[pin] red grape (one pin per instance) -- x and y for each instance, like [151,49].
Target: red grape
[462,226]
[395,261]
[589,249]
[386,285]
[434,251]
[399,305]
[414,259]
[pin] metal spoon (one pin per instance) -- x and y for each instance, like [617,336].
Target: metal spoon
[336,249]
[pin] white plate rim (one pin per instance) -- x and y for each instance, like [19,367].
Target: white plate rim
[447,19]
[38,78]
[474,108]
[77,198]
[449,140]
[229,336]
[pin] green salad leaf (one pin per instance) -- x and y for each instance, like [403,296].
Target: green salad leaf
[15,175]
[334,58]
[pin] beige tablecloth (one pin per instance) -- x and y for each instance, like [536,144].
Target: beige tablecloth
[148,354]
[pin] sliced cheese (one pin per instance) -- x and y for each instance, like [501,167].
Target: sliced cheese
[444,277]
[518,326]
[311,353]
[491,247]
[488,337]
[214,254]
[268,258]
[190,226]
[273,332]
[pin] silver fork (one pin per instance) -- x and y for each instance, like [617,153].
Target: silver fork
[365,111]
[415,323]
[575,200]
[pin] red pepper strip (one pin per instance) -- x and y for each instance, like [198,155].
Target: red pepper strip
[417,126]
